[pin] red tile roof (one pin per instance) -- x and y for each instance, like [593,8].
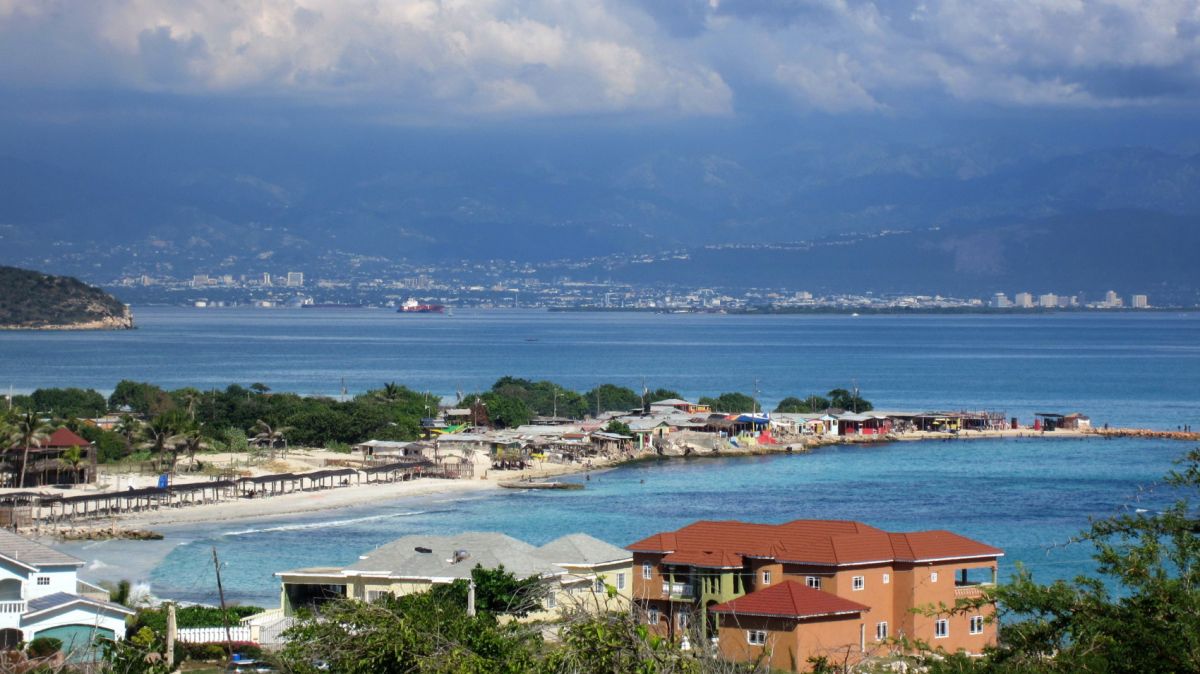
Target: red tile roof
[790,599]
[65,437]
[821,542]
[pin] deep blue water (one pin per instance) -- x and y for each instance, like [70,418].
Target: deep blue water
[1028,496]
[1135,369]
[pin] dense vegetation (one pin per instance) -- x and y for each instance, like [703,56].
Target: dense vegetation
[30,299]
[167,426]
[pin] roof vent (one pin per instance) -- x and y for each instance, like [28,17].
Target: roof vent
[422,550]
[460,555]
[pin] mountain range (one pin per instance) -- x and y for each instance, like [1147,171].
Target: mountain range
[976,215]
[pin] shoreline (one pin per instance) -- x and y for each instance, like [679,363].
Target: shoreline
[356,495]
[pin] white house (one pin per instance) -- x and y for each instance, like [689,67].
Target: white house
[41,596]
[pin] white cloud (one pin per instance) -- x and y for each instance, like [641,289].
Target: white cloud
[427,58]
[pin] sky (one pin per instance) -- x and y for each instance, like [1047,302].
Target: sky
[429,62]
[641,103]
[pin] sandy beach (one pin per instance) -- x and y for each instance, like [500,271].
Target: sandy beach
[358,494]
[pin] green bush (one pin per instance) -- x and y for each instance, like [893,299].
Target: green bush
[44,647]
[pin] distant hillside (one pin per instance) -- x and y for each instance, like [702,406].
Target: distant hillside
[1088,253]
[32,300]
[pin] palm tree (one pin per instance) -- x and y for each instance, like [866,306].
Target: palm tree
[191,398]
[72,459]
[128,428]
[271,437]
[189,440]
[29,431]
[390,392]
[156,435]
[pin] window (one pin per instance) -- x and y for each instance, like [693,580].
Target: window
[858,582]
[683,621]
[652,616]
[620,581]
[880,631]
[941,628]
[43,580]
[598,585]
[977,624]
[374,595]
[813,581]
[886,579]
[647,571]
[756,637]
[933,577]
[766,576]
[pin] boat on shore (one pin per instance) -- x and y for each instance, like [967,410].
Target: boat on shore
[521,484]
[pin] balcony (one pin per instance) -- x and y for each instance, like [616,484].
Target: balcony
[970,590]
[678,590]
[17,607]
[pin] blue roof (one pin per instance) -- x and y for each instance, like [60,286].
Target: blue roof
[57,599]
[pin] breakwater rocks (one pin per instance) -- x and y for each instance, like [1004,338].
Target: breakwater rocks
[107,534]
[1146,434]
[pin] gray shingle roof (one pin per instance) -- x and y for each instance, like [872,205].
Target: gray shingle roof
[62,598]
[28,552]
[401,558]
[583,550]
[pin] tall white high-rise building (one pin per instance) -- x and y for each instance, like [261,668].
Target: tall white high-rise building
[1139,302]
[1112,299]
[1000,301]
[1048,301]
[1023,300]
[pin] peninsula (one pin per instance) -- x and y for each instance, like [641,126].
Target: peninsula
[31,300]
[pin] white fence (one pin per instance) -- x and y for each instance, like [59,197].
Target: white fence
[212,635]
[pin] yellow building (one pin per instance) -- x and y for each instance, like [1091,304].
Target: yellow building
[576,570]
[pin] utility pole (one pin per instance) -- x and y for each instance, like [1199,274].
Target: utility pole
[471,598]
[171,629]
[224,613]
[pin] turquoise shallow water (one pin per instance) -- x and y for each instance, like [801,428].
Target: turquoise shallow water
[1028,496]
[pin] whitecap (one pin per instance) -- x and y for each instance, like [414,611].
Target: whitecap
[323,525]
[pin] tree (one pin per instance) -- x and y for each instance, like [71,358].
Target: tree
[618,427]
[157,434]
[28,431]
[496,591]
[271,437]
[662,394]
[128,428]
[68,402]
[423,632]
[793,405]
[847,400]
[1140,613]
[730,403]
[260,388]
[141,398]
[189,440]
[613,397]
[72,459]
[390,392]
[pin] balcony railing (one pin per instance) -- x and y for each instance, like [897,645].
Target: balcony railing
[682,590]
[12,607]
[970,591]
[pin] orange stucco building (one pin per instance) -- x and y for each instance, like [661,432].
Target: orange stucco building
[812,588]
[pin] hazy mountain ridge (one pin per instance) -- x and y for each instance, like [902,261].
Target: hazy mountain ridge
[215,219]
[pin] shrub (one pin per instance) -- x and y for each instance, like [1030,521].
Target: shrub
[44,647]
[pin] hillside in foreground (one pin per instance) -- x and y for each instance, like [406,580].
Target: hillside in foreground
[35,301]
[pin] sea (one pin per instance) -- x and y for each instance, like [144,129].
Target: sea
[1030,496]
